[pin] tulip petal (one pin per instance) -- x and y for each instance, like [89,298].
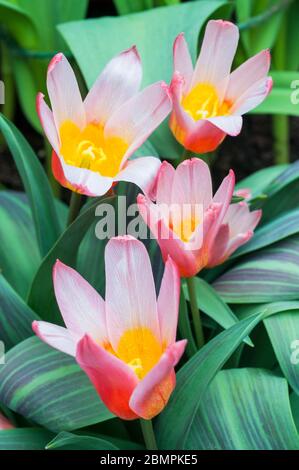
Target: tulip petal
[4,423]
[81,180]
[164,183]
[223,196]
[118,82]
[182,61]
[240,219]
[249,84]
[192,183]
[112,378]
[216,56]
[142,172]
[64,92]
[219,247]
[136,119]
[130,289]
[56,336]
[231,125]
[47,121]
[168,302]
[152,393]
[82,308]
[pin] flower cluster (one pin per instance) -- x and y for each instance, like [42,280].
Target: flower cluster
[126,344]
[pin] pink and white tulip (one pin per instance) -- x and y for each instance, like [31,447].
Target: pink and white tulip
[93,139]
[201,239]
[127,343]
[209,100]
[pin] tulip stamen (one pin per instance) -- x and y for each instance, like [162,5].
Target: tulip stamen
[202,102]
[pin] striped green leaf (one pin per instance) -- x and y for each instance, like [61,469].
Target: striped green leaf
[36,185]
[65,249]
[283,226]
[24,439]
[245,409]
[69,441]
[15,316]
[19,254]
[48,387]
[174,424]
[270,275]
[258,181]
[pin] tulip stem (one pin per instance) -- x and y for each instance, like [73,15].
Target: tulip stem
[74,208]
[195,312]
[148,434]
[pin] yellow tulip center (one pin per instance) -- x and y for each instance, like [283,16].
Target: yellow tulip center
[184,229]
[139,348]
[202,102]
[89,148]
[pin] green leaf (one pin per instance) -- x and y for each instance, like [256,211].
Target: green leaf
[245,409]
[17,263]
[24,439]
[153,32]
[15,316]
[184,326]
[36,186]
[48,387]
[283,331]
[68,441]
[43,300]
[18,23]
[281,99]
[269,275]
[292,56]
[211,304]
[174,423]
[260,180]
[277,229]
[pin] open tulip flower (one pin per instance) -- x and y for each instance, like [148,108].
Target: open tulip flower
[93,139]
[204,238]
[209,101]
[125,344]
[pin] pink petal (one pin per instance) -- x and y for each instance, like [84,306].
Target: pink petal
[231,125]
[64,92]
[219,247]
[217,53]
[240,219]
[223,196]
[164,183]
[182,62]
[152,393]
[130,290]
[84,181]
[142,172]
[192,183]
[47,121]
[82,308]
[4,423]
[112,378]
[56,336]
[168,302]
[119,81]
[248,84]
[136,119]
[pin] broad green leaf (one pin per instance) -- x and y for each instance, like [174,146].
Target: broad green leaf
[24,439]
[260,180]
[65,249]
[244,409]
[15,316]
[36,186]
[174,423]
[153,32]
[283,99]
[184,326]
[292,56]
[277,229]
[132,6]
[48,387]
[69,441]
[18,23]
[269,275]
[261,35]
[283,331]
[294,399]
[19,254]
